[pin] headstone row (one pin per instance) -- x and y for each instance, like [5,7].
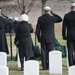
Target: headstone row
[31,67]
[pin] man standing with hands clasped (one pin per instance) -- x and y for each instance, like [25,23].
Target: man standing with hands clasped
[45,34]
[68,33]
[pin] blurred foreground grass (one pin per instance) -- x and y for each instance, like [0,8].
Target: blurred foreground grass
[14,70]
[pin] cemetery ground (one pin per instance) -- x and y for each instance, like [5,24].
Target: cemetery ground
[14,70]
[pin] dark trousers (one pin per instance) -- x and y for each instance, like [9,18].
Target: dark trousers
[45,49]
[71,52]
[22,56]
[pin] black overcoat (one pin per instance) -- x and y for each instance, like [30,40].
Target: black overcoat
[3,41]
[23,37]
[45,27]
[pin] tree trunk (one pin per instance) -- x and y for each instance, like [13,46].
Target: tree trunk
[43,4]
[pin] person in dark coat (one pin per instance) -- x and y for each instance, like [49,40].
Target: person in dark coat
[23,38]
[45,34]
[68,33]
[3,41]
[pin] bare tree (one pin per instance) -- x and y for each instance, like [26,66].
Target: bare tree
[43,4]
[4,0]
[23,6]
[72,1]
[67,0]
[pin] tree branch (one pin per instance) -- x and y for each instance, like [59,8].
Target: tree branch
[19,5]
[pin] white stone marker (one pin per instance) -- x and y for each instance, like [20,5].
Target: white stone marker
[19,64]
[71,70]
[31,67]
[4,70]
[3,59]
[55,62]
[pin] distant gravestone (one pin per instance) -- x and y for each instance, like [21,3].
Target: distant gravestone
[55,62]
[3,59]
[19,64]
[31,67]
[4,70]
[71,70]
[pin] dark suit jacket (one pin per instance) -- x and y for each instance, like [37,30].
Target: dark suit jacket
[45,27]
[68,29]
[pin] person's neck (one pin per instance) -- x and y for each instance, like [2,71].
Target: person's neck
[73,10]
[47,12]
[50,13]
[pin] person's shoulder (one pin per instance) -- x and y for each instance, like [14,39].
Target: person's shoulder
[2,17]
[68,13]
[41,16]
[65,16]
[21,22]
[24,23]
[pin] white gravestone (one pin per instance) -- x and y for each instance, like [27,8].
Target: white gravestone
[3,59]
[4,70]
[31,67]
[55,62]
[71,70]
[19,64]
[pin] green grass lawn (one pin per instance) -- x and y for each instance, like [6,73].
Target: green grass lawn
[14,50]
[14,70]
